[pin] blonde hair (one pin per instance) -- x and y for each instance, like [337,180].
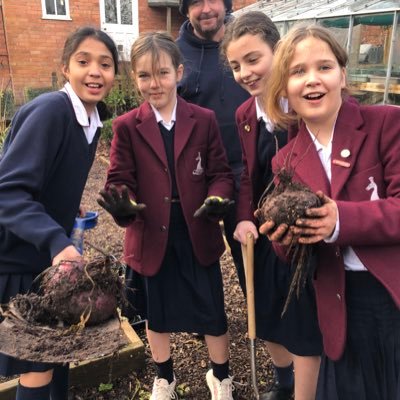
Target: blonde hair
[277,82]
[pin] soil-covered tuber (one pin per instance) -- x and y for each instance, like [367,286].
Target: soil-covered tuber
[284,205]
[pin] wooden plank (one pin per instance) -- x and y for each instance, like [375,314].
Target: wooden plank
[376,87]
[91,373]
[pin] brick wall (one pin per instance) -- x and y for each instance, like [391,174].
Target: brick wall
[5,80]
[35,44]
[155,18]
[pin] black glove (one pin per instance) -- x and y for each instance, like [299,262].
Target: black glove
[119,204]
[214,207]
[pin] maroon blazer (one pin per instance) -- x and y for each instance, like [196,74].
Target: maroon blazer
[138,160]
[371,137]
[246,121]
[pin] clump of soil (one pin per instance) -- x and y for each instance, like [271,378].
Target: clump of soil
[67,319]
[288,202]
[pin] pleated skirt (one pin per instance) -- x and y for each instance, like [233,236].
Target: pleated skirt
[370,366]
[298,328]
[183,296]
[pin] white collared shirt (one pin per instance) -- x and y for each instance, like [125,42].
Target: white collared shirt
[90,123]
[261,113]
[168,125]
[350,258]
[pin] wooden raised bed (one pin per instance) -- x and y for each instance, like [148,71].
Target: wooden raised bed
[90,373]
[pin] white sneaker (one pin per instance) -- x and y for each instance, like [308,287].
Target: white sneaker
[219,390]
[162,390]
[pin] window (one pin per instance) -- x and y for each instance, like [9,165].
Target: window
[55,9]
[118,12]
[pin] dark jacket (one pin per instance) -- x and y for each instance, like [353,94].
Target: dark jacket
[138,160]
[209,83]
[368,224]
[43,171]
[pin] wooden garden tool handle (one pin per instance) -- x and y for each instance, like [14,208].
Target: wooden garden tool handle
[248,261]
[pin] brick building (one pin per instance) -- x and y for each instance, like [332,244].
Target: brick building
[32,34]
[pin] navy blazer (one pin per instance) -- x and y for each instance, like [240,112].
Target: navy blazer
[138,160]
[369,219]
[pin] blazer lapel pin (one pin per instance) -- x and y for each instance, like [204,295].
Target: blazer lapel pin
[247,128]
[345,153]
[341,163]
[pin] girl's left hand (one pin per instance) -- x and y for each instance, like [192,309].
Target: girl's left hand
[70,253]
[320,222]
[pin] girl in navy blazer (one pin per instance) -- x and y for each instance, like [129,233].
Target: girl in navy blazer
[349,155]
[43,170]
[294,338]
[169,184]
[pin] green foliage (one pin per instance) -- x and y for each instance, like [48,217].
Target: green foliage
[183,390]
[105,387]
[31,93]
[7,105]
[7,109]
[106,131]
[123,97]
[119,101]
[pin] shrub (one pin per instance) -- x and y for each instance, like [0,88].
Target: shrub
[106,131]
[7,109]
[31,93]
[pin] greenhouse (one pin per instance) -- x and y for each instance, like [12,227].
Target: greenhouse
[368,29]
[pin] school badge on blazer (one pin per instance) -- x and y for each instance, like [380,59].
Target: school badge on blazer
[199,170]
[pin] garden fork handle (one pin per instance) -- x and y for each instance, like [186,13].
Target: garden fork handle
[249,272]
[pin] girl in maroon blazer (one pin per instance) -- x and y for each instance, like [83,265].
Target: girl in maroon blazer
[169,184]
[294,339]
[350,156]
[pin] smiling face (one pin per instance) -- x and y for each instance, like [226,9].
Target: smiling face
[157,83]
[315,83]
[207,18]
[91,72]
[250,58]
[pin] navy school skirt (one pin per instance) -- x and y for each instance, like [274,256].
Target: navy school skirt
[370,366]
[11,285]
[298,328]
[183,296]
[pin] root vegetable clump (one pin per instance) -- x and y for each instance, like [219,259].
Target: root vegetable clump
[72,316]
[284,205]
[74,290]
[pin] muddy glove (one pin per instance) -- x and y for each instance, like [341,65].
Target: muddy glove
[214,207]
[119,204]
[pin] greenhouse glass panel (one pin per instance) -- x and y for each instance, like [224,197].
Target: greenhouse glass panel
[368,58]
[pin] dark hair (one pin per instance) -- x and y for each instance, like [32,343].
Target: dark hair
[155,43]
[184,6]
[253,23]
[76,38]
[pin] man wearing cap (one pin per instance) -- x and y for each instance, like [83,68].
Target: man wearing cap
[208,83]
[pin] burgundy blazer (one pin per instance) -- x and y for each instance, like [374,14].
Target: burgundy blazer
[370,136]
[247,124]
[138,160]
